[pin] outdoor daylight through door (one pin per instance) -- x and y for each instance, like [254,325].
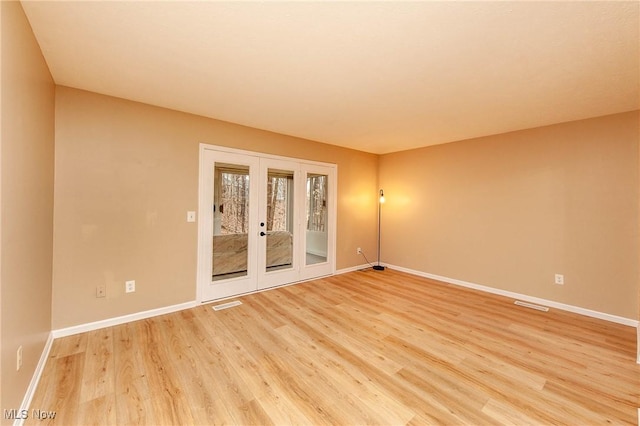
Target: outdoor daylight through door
[231,206]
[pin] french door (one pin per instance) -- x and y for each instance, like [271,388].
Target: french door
[264,221]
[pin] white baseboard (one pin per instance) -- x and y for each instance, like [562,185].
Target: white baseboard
[69,331]
[532,299]
[638,360]
[35,379]
[352,269]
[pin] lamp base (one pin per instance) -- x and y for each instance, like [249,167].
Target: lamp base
[378,267]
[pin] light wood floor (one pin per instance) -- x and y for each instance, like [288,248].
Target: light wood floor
[361,348]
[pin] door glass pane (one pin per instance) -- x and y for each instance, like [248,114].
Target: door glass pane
[230,221]
[279,219]
[317,236]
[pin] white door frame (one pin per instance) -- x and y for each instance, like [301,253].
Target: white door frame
[255,280]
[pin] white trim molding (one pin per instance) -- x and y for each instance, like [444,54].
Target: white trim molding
[531,299]
[82,328]
[638,360]
[353,269]
[35,379]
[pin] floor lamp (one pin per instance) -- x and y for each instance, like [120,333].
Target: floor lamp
[379,267]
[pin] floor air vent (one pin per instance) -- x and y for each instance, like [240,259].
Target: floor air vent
[532,306]
[227,305]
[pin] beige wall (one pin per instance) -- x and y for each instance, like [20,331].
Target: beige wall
[27,202]
[126,175]
[509,211]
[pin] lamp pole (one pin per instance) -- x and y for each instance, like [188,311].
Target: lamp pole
[379,267]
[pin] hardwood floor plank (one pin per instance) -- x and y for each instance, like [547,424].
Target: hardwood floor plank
[167,400]
[70,345]
[497,367]
[263,341]
[355,393]
[266,388]
[213,380]
[62,393]
[463,406]
[132,391]
[135,407]
[504,413]
[584,399]
[99,372]
[366,347]
[100,411]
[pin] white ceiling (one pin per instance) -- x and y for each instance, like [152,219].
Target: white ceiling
[374,76]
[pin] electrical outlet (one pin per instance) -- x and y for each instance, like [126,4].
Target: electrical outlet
[19,358]
[101,291]
[559,279]
[358,250]
[130,286]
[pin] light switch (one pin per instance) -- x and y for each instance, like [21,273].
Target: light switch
[191,216]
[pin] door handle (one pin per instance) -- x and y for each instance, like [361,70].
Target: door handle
[262,234]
